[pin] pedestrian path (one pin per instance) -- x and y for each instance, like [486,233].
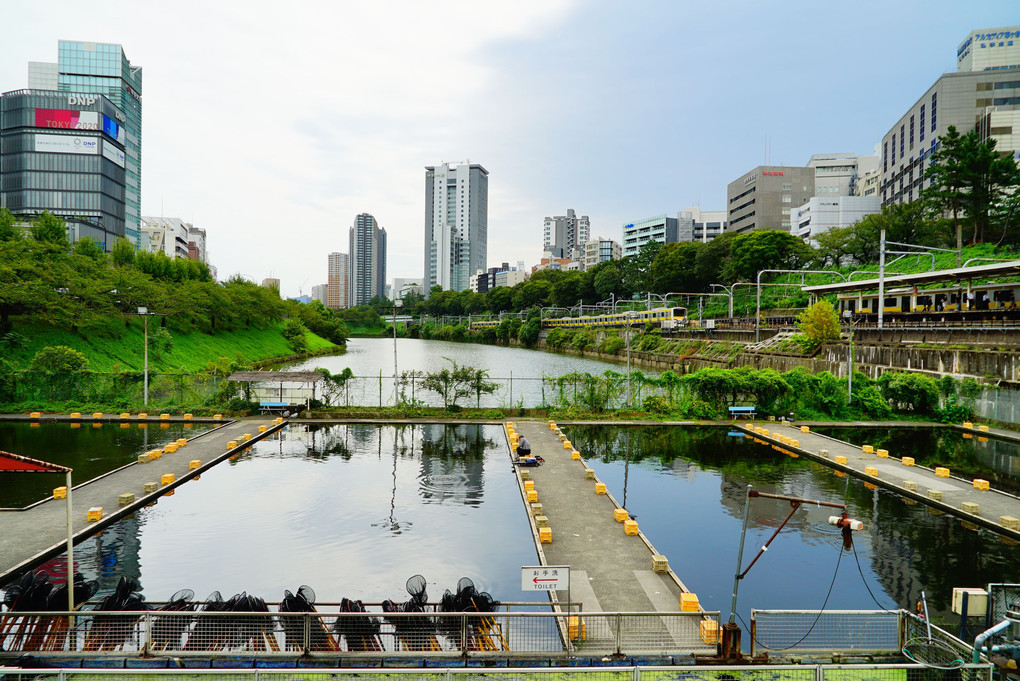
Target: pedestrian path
[39,531]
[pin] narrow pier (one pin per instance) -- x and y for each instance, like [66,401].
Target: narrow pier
[972,500]
[610,570]
[39,531]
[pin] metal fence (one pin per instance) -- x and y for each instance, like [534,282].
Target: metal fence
[113,388]
[804,672]
[858,631]
[369,635]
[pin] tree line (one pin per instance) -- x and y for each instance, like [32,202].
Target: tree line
[84,290]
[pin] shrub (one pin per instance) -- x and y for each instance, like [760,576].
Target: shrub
[611,345]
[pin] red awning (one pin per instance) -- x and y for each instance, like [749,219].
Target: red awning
[15,463]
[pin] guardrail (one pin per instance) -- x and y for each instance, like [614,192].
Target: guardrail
[372,635]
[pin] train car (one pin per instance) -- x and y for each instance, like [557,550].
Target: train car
[908,301]
[663,317]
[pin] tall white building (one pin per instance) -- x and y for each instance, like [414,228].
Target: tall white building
[168,235]
[983,94]
[839,174]
[456,224]
[367,260]
[564,236]
[822,213]
[338,281]
[320,292]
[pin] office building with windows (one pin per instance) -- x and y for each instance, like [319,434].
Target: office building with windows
[102,69]
[167,235]
[564,236]
[839,174]
[367,260]
[338,281]
[65,154]
[983,94]
[822,213]
[763,197]
[660,228]
[694,224]
[600,250]
[456,224]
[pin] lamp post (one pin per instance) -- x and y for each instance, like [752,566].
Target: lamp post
[396,394]
[144,313]
[630,319]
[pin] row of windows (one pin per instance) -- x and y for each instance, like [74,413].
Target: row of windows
[64,163]
[1006,101]
[740,196]
[58,201]
[61,182]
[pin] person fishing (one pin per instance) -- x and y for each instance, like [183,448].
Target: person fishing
[523,448]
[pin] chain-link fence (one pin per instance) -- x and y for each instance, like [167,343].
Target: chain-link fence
[860,631]
[113,388]
[503,634]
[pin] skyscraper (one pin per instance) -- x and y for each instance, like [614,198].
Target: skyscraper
[565,235]
[102,69]
[337,283]
[368,260]
[456,224]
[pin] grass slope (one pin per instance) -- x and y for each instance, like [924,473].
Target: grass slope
[191,351]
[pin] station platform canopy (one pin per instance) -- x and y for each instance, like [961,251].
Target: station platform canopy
[276,376]
[997,270]
[278,388]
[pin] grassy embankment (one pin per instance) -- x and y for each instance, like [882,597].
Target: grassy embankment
[191,351]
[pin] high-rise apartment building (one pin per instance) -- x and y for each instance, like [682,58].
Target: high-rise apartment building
[600,250]
[564,236]
[65,154]
[983,94]
[320,293]
[764,197]
[456,224]
[367,260]
[103,69]
[338,281]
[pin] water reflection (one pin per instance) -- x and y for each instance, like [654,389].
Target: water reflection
[353,510]
[687,485]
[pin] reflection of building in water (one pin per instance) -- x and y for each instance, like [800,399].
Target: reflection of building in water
[105,557]
[452,464]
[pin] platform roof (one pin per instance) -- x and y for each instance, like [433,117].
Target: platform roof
[276,376]
[995,270]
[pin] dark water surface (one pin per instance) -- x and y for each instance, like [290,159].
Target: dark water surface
[687,488]
[350,510]
[91,451]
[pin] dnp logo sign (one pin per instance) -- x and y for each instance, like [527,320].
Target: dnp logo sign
[81,100]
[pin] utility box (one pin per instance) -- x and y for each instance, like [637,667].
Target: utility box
[977,601]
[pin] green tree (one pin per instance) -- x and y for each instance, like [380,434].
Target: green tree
[60,368]
[675,268]
[457,382]
[294,331]
[637,270]
[8,226]
[818,324]
[529,332]
[48,228]
[715,260]
[767,249]
[499,299]
[609,280]
[88,248]
[123,252]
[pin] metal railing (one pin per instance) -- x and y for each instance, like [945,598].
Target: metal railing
[804,631]
[290,635]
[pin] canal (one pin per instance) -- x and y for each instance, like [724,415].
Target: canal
[519,372]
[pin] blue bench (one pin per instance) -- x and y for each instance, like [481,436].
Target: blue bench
[272,406]
[742,412]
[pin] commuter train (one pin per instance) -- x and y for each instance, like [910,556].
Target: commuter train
[663,317]
[994,298]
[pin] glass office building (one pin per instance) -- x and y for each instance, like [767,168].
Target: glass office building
[64,153]
[103,69]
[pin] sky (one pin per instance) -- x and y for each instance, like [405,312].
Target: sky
[273,124]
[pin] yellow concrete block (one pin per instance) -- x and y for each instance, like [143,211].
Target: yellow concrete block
[232,444]
[630,527]
[567,445]
[983,428]
[764,431]
[868,449]
[125,499]
[143,458]
[541,521]
[97,415]
[659,563]
[164,417]
[935,494]
[689,602]
[910,485]
[532,496]
[150,487]
[167,478]
[840,459]
[575,455]
[74,414]
[194,464]
[60,492]
[1009,522]
[882,453]
[182,442]
[709,631]
[907,461]
[125,415]
[971,507]
[552,425]
[980,484]
[968,424]
[95,513]
[263,429]
[824,453]
[217,417]
[537,509]
[545,535]
[589,474]
[154,454]
[620,514]
[600,488]
[805,429]
[941,472]
[871,470]
[576,629]
[525,475]
[143,415]
[794,442]
[529,485]
[246,437]
[170,448]
[188,417]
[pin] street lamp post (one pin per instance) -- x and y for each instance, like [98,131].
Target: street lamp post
[144,313]
[396,394]
[630,319]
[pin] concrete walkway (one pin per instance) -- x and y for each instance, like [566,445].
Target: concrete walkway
[610,571]
[992,509]
[39,531]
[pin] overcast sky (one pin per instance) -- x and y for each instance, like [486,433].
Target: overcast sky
[272,124]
